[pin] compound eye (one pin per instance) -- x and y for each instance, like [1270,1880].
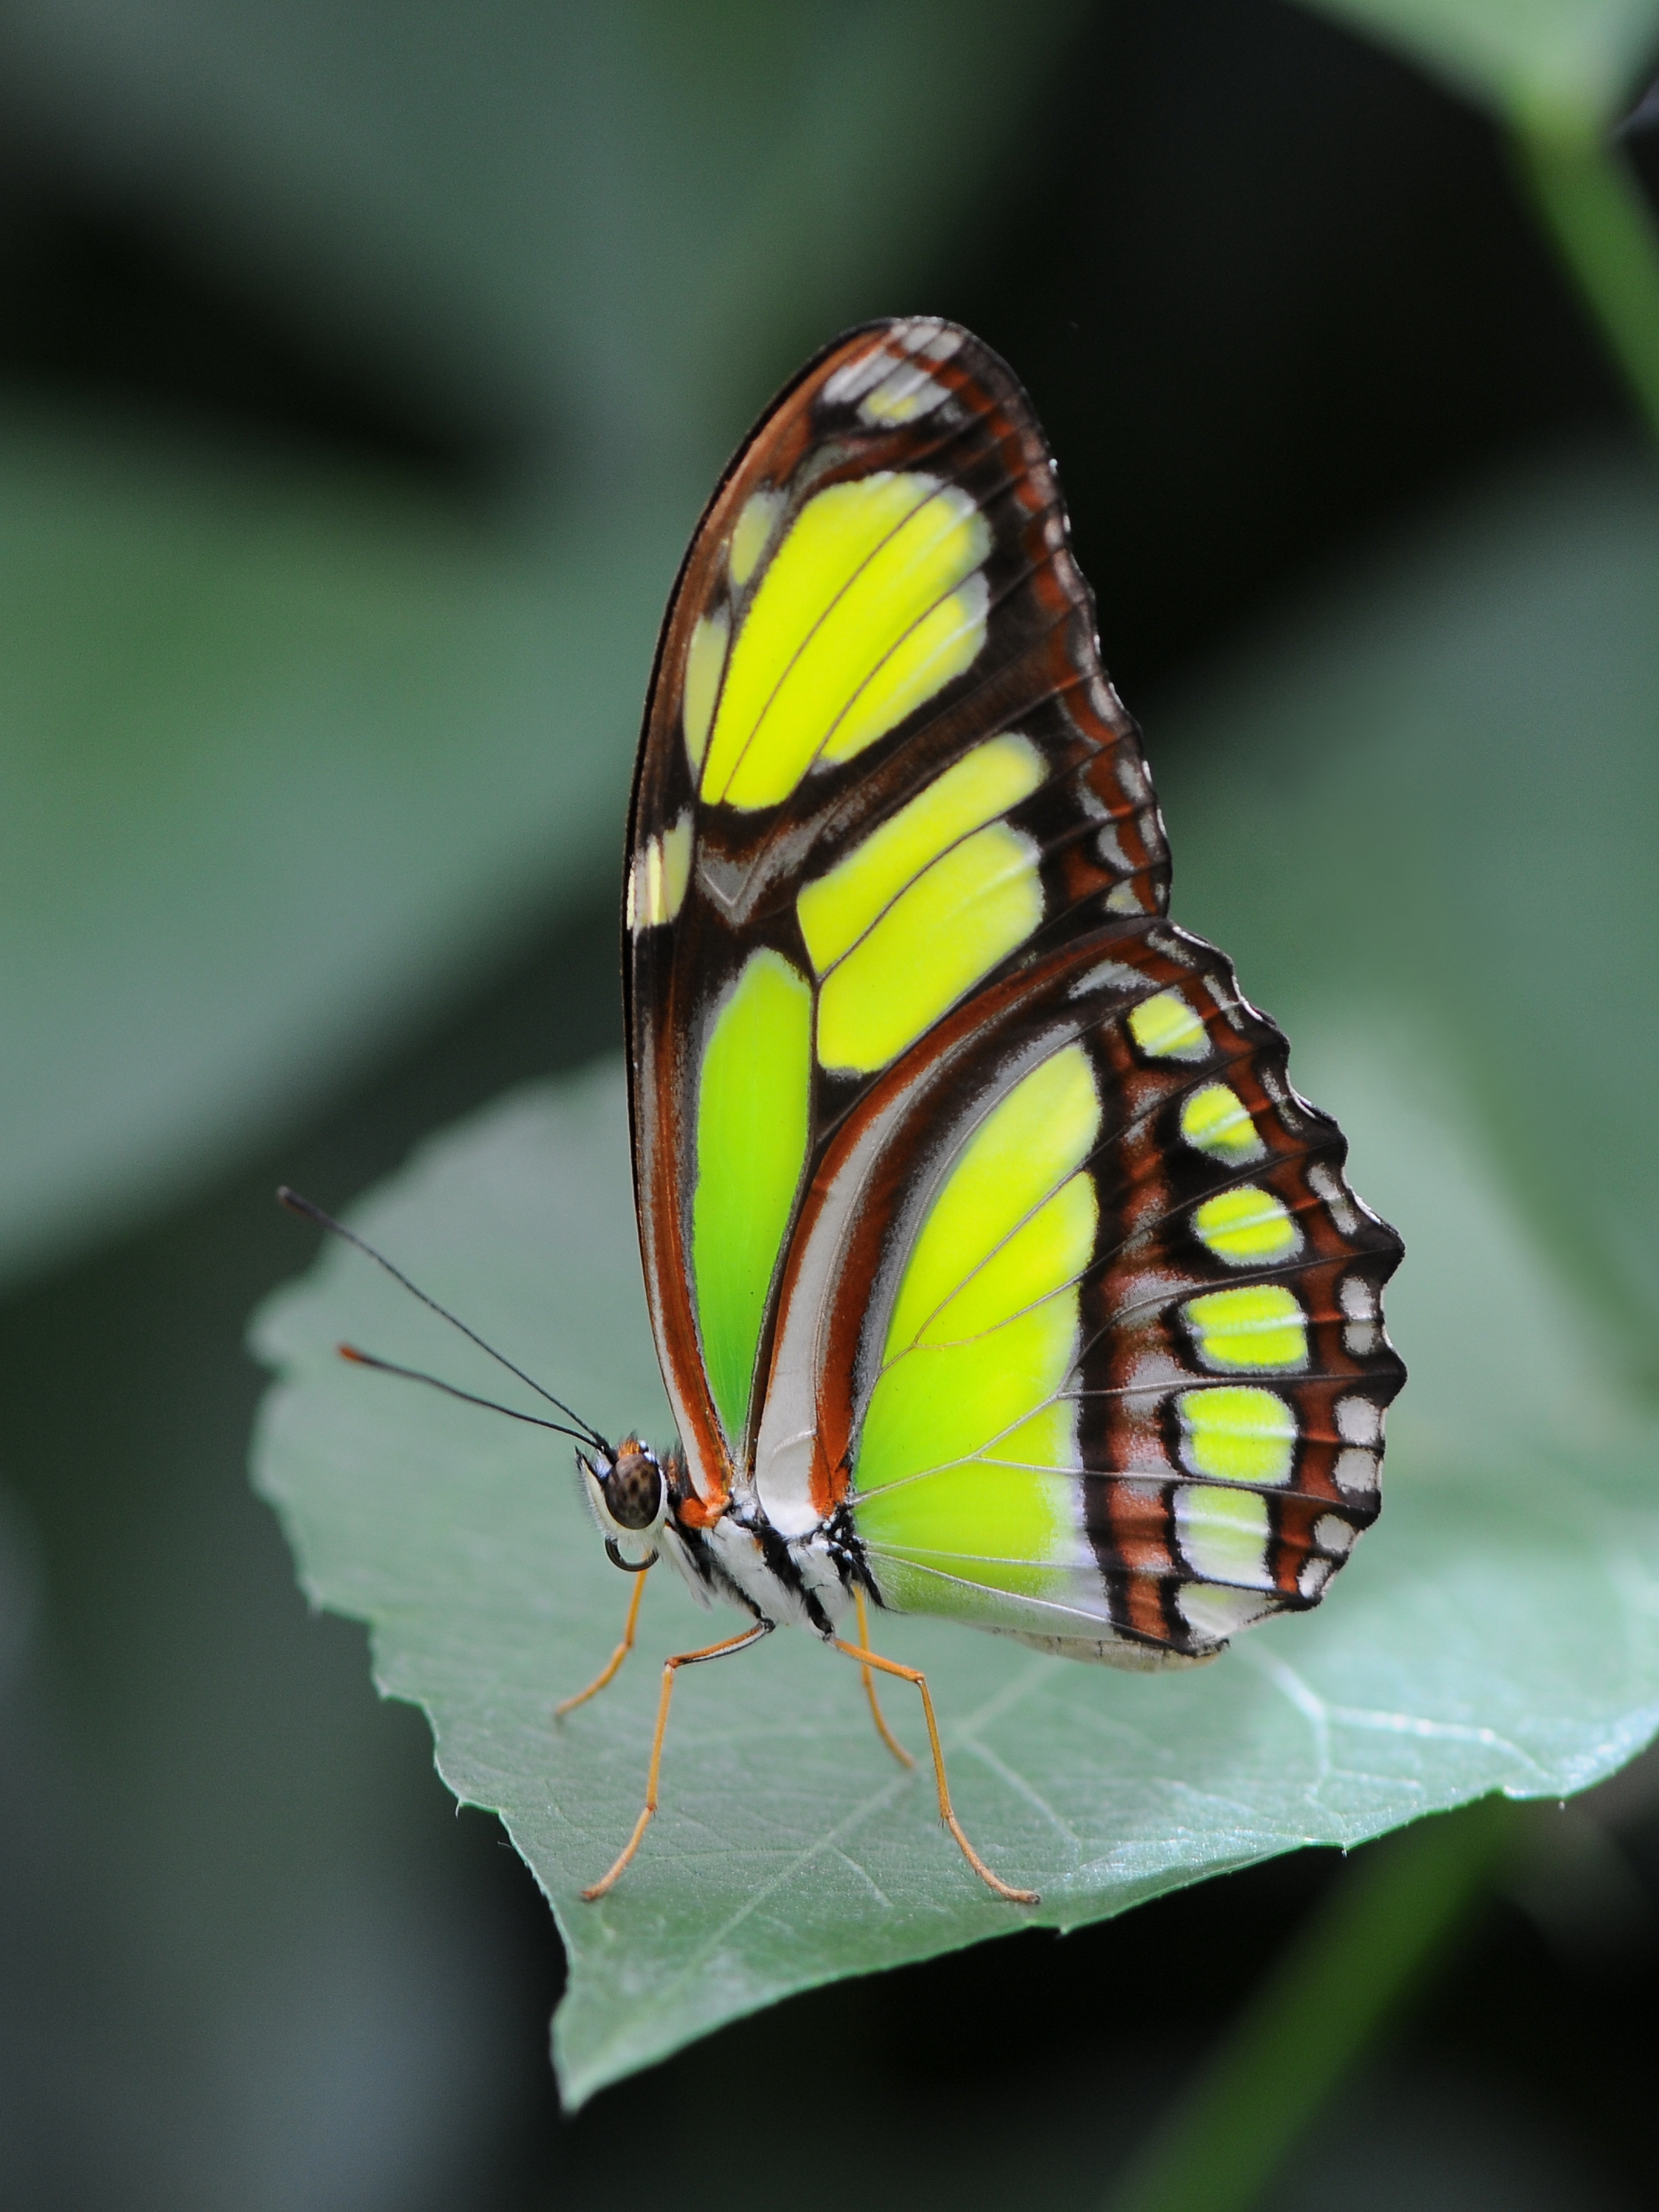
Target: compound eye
[633,1491]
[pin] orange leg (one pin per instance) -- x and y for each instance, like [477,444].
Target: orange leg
[866,1658]
[876,1715]
[669,1668]
[569,1704]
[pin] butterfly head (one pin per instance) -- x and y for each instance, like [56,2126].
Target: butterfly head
[627,1489]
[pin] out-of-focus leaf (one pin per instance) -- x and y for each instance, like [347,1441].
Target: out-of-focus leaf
[1440,788]
[280,758]
[1560,66]
[1500,1629]
[624,223]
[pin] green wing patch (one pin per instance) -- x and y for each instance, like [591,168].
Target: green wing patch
[753,1107]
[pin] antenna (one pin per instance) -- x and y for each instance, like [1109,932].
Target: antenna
[307,1211]
[415,1375]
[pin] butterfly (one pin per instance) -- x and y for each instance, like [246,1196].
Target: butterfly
[996,1270]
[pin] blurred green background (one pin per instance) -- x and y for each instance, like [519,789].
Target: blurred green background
[364,368]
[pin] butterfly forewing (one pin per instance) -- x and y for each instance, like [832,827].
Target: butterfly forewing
[976,1205]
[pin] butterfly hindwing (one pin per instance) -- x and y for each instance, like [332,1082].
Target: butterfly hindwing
[978,1215]
[1120,1378]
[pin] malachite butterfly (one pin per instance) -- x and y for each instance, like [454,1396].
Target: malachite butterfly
[996,1269]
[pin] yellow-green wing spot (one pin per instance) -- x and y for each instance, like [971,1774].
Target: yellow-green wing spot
[658,879]
[837,909]
[1259,1325]
[704,661]
[969,910]
[1215,1119]
[1166,1028]
[1049,1247]
[1023,1154]
[753,1092]
[962,1467]
[927,904]
[1222,1535]
[748,539]
[1236,1433]
[1246,1227]
[957,1542]
[872,603]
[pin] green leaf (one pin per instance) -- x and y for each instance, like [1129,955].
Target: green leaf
[1562,67]
[283,758]
[1558,73]
[1439,787]
[1500,1629]
[286,754]
[619,224]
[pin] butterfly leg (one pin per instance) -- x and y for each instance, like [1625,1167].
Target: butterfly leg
[670,1669]
[876,1715]
[609,1673]
[866,1658]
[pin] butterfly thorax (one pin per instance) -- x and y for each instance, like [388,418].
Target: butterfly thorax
[727,1551]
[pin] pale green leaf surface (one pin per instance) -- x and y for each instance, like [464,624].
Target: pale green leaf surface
[1500,1629]
[1564,66]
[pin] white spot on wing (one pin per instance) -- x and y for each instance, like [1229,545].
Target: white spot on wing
[927,335]
[1314,1574]
[1359,1421]
[1359,1303]
[1356,1471]
[1324,1185]
[1107,976]
[904,397]
[1210,1612]
[1333,1534]
[856,377]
